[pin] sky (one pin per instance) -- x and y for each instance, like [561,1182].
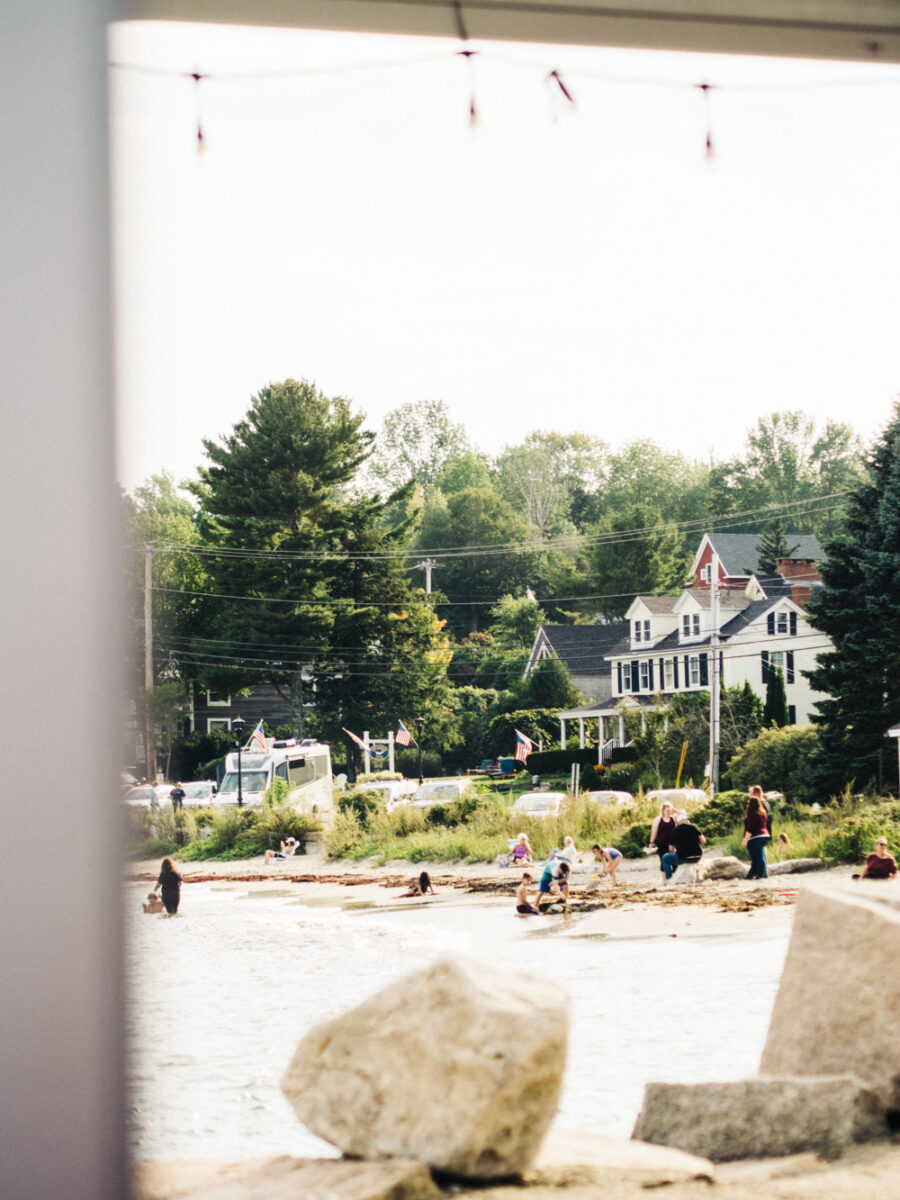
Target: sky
[576,268]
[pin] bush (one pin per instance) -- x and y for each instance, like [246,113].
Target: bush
[345,837]
[635,838]
[780,759]
[718,818]
[362,804]
[551,762]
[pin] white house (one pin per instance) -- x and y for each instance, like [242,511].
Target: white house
[667,650]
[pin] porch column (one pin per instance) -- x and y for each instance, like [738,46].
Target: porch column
[562,733]
[581,732]
[621,729]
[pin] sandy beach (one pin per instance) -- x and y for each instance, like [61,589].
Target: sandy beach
[639,906]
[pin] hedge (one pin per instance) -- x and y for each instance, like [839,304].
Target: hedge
[552,762]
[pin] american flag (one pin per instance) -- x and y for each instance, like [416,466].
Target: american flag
[354,738]
[524,746]
[402,737]
[258,738]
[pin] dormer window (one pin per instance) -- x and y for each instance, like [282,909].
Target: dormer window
[690,625]
[706,573]
[783,623]
[640,631]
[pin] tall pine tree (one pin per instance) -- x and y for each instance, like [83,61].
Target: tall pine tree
[859,610]
[310,592]
[775,709]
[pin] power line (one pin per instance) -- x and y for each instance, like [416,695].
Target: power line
[712,524]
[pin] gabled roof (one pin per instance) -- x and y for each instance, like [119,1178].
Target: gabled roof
[739,554]
[658,604]
[583,648]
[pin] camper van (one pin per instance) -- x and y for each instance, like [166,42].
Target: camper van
[304,766]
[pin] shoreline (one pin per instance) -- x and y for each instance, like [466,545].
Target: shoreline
[637,907]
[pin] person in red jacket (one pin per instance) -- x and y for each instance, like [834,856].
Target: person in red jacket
[756,834]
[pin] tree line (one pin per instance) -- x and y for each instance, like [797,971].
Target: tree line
[293,556]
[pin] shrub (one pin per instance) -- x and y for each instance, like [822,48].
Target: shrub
[362,804]
[635,838]
[718,818]
[345,836]
[782,759]
[548,762]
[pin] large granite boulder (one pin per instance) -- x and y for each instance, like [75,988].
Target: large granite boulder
[758,1118]
[459,1066]
[838,1003]
[726,867]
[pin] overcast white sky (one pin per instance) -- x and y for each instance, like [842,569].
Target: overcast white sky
[580,269]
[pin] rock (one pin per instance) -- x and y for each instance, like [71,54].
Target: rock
[761,1118]
[459,1066]
[839,996]
[285,1178]
[569,1159]
[794,866]
[726,867]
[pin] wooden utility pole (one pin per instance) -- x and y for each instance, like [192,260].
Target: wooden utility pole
[149,740]
[714,679]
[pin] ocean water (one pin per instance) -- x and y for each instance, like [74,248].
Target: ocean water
[220,996]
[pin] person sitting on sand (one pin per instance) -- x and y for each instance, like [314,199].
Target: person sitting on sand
[287,849]
[879,864]
[569,851]
[523,900]
[554,886]
[521,853]
[154,904]
[419,887]
[610,860]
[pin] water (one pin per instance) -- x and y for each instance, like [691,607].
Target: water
[221,995]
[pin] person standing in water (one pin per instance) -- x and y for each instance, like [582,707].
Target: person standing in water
[169,884]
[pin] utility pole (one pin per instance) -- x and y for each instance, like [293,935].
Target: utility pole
[714,679]
[149,746]
[426,565]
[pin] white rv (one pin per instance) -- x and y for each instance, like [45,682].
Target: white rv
[304,766]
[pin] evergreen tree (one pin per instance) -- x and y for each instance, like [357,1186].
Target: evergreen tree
[775,710]
[859,610]
[550,686]
[772,545]
[310,593]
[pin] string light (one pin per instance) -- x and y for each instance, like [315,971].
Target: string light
[551,77]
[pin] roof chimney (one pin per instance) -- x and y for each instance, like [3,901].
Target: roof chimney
[800,572]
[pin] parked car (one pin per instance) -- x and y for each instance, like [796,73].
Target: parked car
[394,791]
[440,791]
[677,797]
[200,793]
[539,804]
[142,796]
[617,799]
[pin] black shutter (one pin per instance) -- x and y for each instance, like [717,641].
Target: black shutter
[792,714]
[790,668]
[793,624]
[619,669]
[687,674]
[704,670]
[650,665]
[675,674]
[765,666]
[770,623]
[635,675]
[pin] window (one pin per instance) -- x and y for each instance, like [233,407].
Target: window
[645,677]
[218,700]
[641,631]
[776,659]
[690,625]
[781,622]
[694,670]
[217,723]
[626,677]
[706,573]
[668,675]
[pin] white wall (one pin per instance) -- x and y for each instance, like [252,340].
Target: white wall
[61,1106]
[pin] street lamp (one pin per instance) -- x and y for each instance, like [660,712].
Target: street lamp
[237,726]
[420,725]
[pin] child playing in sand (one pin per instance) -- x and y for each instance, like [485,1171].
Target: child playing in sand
[554,883]
[523,901]
[154,904]
[610,860]
[420,888]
